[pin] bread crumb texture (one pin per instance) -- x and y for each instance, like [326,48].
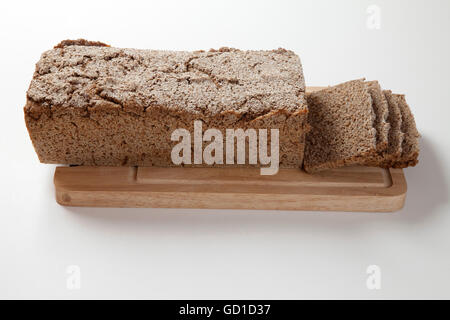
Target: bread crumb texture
[342,126]
[357,123]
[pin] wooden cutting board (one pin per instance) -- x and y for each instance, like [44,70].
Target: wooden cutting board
[344,189]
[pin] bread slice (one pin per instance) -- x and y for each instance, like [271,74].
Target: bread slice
[395,137]
[342,127]
[410,144]
[381,110]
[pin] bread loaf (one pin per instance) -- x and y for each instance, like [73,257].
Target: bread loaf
[91,104]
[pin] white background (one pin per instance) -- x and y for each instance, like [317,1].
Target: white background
[165,253]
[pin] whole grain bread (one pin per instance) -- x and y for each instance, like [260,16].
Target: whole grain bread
[342,127]
[91,104]
[381,110]
[410,143]
[394,148]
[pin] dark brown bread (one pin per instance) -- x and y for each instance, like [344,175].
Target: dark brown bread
[342,127]
[91,104]
[80,42]
[410,144]
[381,110]
[394,148]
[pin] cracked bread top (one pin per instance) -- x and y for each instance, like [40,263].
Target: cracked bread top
[87,74]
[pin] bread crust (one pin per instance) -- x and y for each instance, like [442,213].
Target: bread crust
[381,110]
[410,143]
[396,136]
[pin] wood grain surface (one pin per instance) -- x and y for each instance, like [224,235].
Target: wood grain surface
[344,189]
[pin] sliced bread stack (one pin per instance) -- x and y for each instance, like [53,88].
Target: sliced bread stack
[357,123]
